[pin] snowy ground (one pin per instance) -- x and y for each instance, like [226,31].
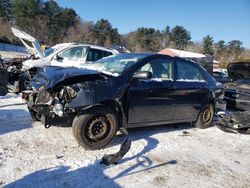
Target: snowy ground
[32,156]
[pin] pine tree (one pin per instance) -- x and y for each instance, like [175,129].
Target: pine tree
[180,37]
[235,49]
[5,7]
[105,34]
[207,45]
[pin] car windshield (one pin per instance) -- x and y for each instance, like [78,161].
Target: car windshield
[116,64]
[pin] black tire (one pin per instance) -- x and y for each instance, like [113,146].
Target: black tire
[205,117]
[3,90]
[24,83]
[95,129]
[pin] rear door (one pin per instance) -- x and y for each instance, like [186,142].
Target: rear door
[151,101]
[191,90]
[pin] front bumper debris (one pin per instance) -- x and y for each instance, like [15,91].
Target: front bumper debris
[109,159]
[42,111]
[237,122]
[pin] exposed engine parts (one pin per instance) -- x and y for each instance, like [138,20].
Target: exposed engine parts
[12,76]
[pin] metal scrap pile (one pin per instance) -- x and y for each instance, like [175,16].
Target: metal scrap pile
[13,77]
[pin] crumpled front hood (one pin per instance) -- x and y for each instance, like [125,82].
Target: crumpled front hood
[239,70]
[49,77]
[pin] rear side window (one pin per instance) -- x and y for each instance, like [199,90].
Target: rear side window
[94,54]
[188,72]
[105,54]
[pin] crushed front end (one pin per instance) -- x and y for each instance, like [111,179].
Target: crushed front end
[58,94]
[50,107]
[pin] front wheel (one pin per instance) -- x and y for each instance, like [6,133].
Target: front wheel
[96,129]
[24,83]
[205,117]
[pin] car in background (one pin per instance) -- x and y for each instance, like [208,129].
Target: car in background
[63,55]
[124,90]
[69,55]
[221,77]
[237,93]
[4,77]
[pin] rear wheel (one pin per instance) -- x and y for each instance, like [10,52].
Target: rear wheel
[205,117]
[96,129]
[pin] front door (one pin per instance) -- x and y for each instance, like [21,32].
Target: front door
[151,100]
[72,56]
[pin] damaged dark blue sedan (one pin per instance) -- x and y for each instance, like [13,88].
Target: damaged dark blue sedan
[124,90]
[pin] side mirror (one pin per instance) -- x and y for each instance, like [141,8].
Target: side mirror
[143,75]
[59,58]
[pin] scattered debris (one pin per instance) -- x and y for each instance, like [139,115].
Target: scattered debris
[238,162]
[228,123]
[185,133]
[59,156]
[109,159]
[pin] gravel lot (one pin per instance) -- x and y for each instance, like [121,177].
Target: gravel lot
[164,156]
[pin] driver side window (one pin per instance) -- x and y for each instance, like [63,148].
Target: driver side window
[161,69]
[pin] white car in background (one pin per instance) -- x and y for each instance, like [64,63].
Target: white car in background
[63,55]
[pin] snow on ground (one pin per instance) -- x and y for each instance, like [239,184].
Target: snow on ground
[164,156]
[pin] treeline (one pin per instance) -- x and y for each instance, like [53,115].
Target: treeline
[50,23]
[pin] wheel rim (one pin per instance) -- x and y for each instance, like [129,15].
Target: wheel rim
[206,115]
[97,128]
